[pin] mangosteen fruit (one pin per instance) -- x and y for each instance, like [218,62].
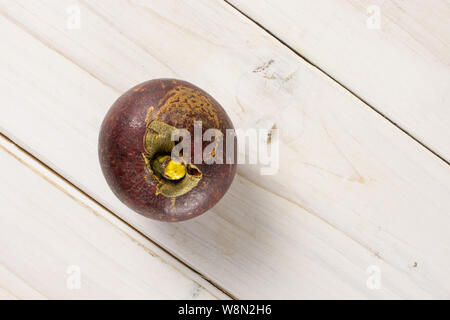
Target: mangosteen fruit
[168,150]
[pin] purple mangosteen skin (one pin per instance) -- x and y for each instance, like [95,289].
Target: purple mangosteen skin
[121,147]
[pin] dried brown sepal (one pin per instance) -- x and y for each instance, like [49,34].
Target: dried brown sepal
[158,141]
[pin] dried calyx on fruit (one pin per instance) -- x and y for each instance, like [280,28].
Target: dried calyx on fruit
[173,177]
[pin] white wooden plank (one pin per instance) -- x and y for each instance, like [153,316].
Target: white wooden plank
[13,287]
[51,235]
[351,191]
[401,68]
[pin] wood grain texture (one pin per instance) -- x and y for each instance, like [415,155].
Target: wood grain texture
[402,68]
[352,190]
[48,228]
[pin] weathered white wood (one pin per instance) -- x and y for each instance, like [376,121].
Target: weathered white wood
[352,191]
[12,287]
[401,68]
[50,233]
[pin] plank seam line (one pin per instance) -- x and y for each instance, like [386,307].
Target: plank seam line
[127,224]
[338,82]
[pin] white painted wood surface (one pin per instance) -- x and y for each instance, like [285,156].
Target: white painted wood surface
[393,54]
[56,243]
[352,192]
